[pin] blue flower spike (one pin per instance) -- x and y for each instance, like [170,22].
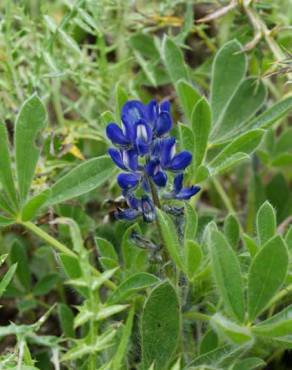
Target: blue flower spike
[145,151]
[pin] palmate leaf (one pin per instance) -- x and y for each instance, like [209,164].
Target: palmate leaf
[233,332]
[131,285]
[253,93]
[188,97]
[30,121]
[229,89]
[6,279]
[278,325]
[229,68]
[227,275]
[82,179]
[160,327]
[266,275]
[201,125]
[266,222]
[173,59]
[6,177]
[272,114]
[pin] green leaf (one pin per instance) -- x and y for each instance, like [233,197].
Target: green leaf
[201,124]
[81,349]
[250,363]
[288,238]
[6,221]
[272,115]
[130,251]
[131,285]
[170,238]
[191,222]
[188,97]
[30,121]
[228,163]
[245,143]
[193,257]
[6,177]
[66,318]
[46,284]
[233,332]
[232,230]
[218,357]
[229,68]
[7,278]
[202,173]
[160,326]
[173,59]
[31,208]
[71,266]
[250,245]
[18,255]
[102,314]
[227,275]
[266,275]
[82,179]
[106,249]
[266,222]
[253,93]
[145,45]
[278,325]
[122,347]
[186,137]
[209,342]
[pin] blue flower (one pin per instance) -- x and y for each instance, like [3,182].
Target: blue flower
[146,152]
[179,192]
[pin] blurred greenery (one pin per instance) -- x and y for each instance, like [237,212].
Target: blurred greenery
[84,59]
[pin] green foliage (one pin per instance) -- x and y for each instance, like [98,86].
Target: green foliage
[208,284]
[266,275]
[227,275]
[160,324]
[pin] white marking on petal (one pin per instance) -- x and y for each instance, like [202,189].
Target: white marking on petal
[142,132]
[126,159]
[172,151]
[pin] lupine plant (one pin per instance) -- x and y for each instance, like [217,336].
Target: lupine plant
[145,198]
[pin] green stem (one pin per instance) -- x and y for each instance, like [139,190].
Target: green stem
[194,315]
[280,295]
[157,204]
[223,196]
[48,238]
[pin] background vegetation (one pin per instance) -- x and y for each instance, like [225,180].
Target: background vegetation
[78,292]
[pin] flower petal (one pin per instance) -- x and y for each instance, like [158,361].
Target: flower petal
[117,158]
[180,161]
[127,214]
[128,180]
[133,111]
[187,193]
[160,179]
[151,166]
[164,106]
[143,137]
[151,111]
[116,135]
[148,209]
[163,123]
[167,151]
[130,159]
[178,183]
[133,202]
